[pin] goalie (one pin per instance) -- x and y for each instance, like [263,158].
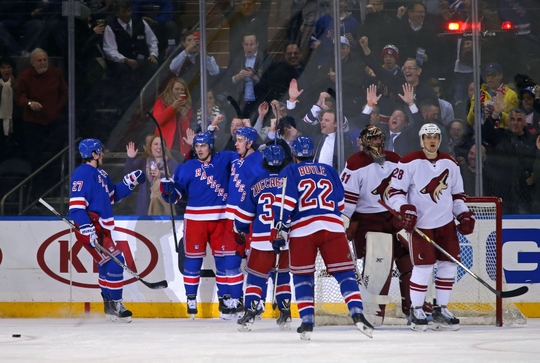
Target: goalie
[366,179]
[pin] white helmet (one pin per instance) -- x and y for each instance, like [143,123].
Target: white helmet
[429,129]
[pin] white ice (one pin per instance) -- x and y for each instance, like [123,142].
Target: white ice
[212,340]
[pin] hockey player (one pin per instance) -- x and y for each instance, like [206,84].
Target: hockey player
[366,179]
[205,180]
[256,209]
[247,165]
[90,206]
[314,202]
[427,190]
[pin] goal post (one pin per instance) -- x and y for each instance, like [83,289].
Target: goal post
[470,301]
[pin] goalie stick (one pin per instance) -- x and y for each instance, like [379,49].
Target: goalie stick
[503,294]
[167,175]
[280,224]
[152,285]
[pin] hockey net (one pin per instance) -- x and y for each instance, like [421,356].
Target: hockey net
[472,302]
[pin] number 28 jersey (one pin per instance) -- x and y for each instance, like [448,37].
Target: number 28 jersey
[313,199]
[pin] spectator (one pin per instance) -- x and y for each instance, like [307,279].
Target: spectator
[149,201]
[460,140]
[174,114]
[131,48]
[510,165]
[187,64]
[468,170]
[326,151]
[461,108]
[7,85]
[312,10]
[229,143]
[42,93]
[323,37]
[245,73]
[390,58]
[527,97]
[18,32]
[313,117]
[493,74]
[158,14]
[376,25]
[446,108]
[247,20]
[213,124]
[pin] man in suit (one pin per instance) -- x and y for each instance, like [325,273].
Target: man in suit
[245,72]
[326,151]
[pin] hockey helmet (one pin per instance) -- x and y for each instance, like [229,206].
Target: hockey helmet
[204,138]
[248,132]
[429,129]
[274,155]
[367,135]
[88,146]
[303,146]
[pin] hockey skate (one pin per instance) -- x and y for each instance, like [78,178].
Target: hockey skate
[443,319]
[192,306]
[226,310]
[305,331]
[284,319]
[363,325]
[418,319]
[107,306]
[239,306]
[246,322]
[118,312]
[260,309]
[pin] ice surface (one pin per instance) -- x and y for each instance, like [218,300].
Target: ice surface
[212,340]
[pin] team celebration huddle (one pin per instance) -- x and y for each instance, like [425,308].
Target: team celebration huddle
[278,206]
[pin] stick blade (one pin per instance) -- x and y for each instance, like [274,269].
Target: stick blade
[156,285]
[513,293]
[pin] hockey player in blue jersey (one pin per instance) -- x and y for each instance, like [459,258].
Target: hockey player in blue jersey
[90,207]
[205,180]
[247,165]
[254,215]
[314,201]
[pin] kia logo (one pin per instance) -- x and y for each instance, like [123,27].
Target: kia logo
[58,245]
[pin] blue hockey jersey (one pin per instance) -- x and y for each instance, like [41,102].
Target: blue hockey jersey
[93,191]
[314,199]
[206,184]
[243,170]
[256,208]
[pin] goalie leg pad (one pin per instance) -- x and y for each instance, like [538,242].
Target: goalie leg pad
[378,261]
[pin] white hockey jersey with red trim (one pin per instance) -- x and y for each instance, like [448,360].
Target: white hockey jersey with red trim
[435,187]
[366,182]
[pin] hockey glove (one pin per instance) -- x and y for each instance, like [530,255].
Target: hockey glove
[134,178]
[466,223]
[278,239]
[240,238]
[89,232]
[408,217]
[168,190]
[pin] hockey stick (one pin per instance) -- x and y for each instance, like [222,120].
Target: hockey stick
[283,189]
[152,285]
[167,175]
[235,105]
[503,294]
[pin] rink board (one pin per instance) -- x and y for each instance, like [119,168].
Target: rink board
[45,273]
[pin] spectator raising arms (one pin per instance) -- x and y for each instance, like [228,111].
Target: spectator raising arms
[173,112]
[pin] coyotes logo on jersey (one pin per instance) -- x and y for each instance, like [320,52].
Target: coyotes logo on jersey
[383,188]
[436,186]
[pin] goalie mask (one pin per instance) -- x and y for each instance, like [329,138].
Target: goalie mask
[372,139]
[429,129]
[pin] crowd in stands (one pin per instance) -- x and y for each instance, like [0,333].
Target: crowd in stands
[399,71]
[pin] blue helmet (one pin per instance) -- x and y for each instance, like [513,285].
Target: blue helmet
[204,138]
[274,155]
[303,146]
[87,146]
[248,132]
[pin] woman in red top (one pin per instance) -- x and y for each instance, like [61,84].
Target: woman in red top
[173,112]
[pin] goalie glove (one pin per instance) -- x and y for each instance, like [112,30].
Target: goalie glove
[89,233]
[408,217]
[168,190]
[466,223]
[134,178]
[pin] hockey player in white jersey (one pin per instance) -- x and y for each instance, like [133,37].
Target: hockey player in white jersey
[366,180]
[427,191]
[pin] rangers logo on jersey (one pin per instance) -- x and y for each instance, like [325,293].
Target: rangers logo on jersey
[383,188]
[436,186]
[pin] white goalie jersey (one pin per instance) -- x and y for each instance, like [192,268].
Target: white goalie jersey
[435,187]
[365,182]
